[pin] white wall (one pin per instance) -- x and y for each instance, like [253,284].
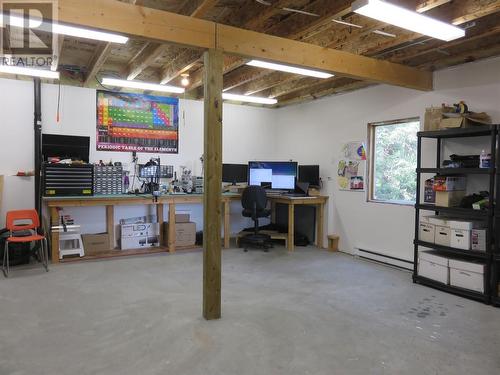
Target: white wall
[313,133]
[308,133]
[247,131]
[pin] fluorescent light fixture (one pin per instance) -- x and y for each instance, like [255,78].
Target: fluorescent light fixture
[248,98]
[56,28]
[348,24]
[380,32]
[9,69]
[142,85]
[407,19]
[289,69]
[89,34]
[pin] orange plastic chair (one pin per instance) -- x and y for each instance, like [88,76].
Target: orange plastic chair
[30,221]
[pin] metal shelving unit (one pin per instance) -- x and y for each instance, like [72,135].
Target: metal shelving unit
[490,258]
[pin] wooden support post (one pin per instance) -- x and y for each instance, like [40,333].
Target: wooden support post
[171,227]
[320,222]
[291,226]
[159,217]
[227,223]
[212,215]
[110,225]
[54,239]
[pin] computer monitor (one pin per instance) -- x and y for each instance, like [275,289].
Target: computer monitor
[309,173]
[234,173]
[273,174]
[65,147]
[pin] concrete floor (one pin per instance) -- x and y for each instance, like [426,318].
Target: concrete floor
[310,312]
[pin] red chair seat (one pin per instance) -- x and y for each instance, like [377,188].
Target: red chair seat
[35,237]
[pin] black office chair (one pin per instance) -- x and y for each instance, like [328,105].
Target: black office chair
[254,202]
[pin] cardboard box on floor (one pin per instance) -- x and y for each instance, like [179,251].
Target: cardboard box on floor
[95,243]
[185,234]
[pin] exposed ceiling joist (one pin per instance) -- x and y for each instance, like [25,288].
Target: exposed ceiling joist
[155,50]
[265,47]
[201,7]
[426,5]
[178,66]
[374,47]
[147,57]
[96,62]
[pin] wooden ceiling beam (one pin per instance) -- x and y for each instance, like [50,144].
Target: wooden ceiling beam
[293,27]
[266,47]
[484,42]
[372,45]
[57,56]
[169,27]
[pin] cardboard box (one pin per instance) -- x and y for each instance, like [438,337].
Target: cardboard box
[185,234]
[449,183]
[442,236]
[433,266]
[135,236]
[467,275]
[95,243]
[478,239]
[465,120]
[433,117]
[181,218]
[449,198]
[426,232]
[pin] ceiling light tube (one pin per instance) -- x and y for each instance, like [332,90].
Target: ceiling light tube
[380,32]
[142,85]
[249,99]
[18,70]
[56,28]
[407,19]
[348,24]
[289,69]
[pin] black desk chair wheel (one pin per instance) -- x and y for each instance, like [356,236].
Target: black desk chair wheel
[254,202]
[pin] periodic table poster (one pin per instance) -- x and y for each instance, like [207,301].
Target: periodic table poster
[136,122]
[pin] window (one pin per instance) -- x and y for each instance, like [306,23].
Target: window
[393,161]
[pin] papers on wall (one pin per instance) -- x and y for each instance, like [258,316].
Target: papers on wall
[352,167]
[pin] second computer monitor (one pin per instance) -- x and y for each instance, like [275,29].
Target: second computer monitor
[234,173]
[309,173]
[273,174]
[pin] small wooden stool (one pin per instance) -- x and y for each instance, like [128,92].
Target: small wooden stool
[333,242]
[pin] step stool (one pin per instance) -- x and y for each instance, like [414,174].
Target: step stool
[70,242]
[333,242]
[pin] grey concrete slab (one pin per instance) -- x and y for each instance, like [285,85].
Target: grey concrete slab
[307,312]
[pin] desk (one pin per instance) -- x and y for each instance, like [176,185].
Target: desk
[110,201]
[319,202]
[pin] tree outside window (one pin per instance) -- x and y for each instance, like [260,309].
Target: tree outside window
[393,161]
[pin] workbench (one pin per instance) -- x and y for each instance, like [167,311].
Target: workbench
[110,201]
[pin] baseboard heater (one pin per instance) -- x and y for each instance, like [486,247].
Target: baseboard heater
[385,259]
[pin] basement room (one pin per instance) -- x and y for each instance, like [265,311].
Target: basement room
[275,187]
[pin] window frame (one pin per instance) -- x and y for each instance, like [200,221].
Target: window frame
[371,159]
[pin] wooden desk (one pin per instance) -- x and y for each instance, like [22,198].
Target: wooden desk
[110,201]
[319,202]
